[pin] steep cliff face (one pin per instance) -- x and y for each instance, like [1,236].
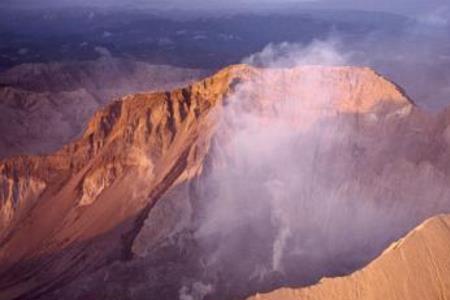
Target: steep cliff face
[415,267]
[151,170]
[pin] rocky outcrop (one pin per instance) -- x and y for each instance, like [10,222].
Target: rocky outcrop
[415,267]
[16,193]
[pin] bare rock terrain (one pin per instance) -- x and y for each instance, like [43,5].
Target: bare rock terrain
[244,182]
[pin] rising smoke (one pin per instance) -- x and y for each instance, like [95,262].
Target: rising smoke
[300,193]
[287,55]
[417,59]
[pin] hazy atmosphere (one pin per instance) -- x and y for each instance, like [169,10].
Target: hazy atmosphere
[398,6]
[200,150]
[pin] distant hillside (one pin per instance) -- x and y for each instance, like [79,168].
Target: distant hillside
[45,106]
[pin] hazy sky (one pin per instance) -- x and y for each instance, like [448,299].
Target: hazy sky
[396,6]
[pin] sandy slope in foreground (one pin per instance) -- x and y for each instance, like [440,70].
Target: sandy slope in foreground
[415,267]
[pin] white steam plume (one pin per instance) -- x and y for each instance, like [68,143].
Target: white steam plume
[303,192]
[287,55]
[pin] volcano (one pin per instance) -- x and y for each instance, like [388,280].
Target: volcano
[244,182]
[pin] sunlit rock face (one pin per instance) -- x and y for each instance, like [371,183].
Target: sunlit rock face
[244,182]
[16,193]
